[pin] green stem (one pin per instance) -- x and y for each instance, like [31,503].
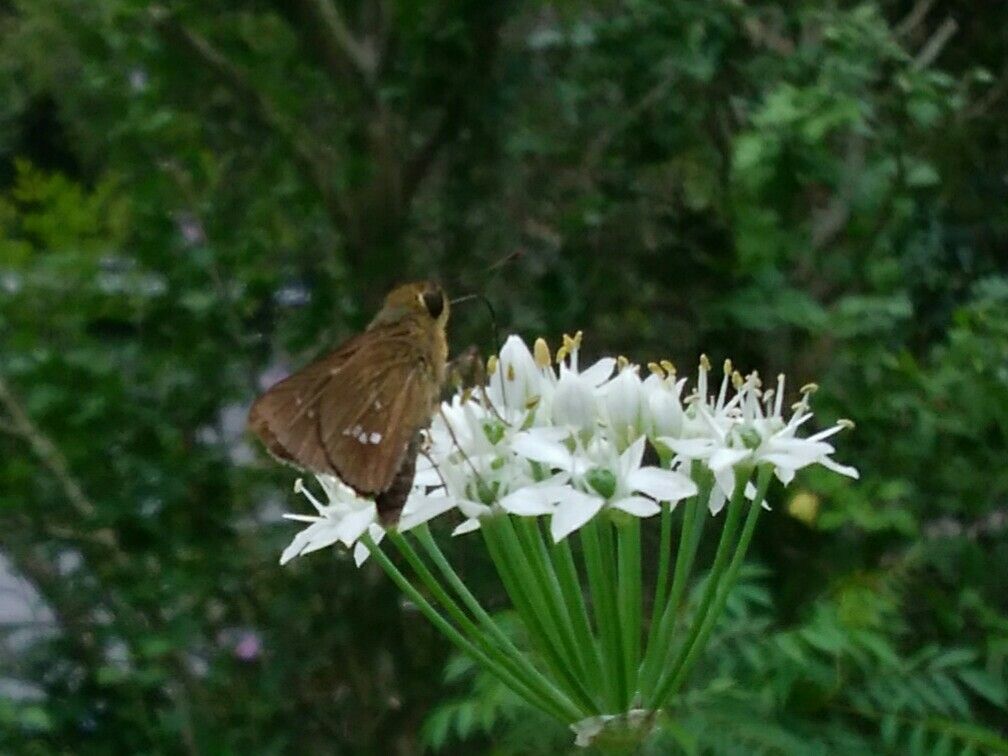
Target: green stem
[570,584]
[453,635]
[609,564]
[604,611]
[510,561]
[726,584]
[533,574]
[536,679]
[629,596]
[548,585]
[732,520]
[694,519]
[661,580]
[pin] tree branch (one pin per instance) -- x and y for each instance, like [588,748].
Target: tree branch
[913,19]
[313,158]
[324,26]
[933,47]
[50,457]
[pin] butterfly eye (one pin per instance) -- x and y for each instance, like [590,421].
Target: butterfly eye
[434,302]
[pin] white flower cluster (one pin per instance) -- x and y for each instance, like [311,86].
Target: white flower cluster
[569,443]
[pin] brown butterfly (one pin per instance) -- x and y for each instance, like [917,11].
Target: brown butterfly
[357,412]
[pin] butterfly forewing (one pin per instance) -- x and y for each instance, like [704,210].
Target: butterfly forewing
[307,420]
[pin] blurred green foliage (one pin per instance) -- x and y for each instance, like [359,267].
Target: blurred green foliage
[194,197]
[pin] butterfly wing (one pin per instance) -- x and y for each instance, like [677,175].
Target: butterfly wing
[353,413]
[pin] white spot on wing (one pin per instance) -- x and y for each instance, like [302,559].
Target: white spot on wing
[375,437]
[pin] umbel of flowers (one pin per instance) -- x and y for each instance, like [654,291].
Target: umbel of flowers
[556,466]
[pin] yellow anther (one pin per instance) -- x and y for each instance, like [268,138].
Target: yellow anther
[728,367]
[809,388]
[668,366]
[621,362]
[846,423]
[577,339]
[736,379]
[491,364]
[542,353]
[561,354]
[532,402]
[510,372]
[656,369]
[704,362]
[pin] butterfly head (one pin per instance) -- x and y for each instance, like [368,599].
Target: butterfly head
[424,300]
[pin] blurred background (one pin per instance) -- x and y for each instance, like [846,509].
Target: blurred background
[197,197]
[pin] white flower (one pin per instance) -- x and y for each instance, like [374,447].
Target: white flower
[516,383]
[739,433]
[623,402]
[597,477]
[348,517]
[344,519]
[566,443]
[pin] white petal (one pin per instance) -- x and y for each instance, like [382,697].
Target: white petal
[690,448]
[295,547]
[572,513]
[717,500]
[637,506]
[466,526]
[354,524]
[530,501]
[725,458]
[598,373]
[663,485]
[426,508]
[428,476]
[725,480]
[574,403]
[850,472]
[472,509]
[784,474]
[630,459]
[535,447]
[360,553]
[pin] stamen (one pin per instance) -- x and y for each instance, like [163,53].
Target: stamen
[542,353]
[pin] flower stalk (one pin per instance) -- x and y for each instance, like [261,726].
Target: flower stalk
[550,466]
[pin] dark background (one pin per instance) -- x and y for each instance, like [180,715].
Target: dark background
[195,197]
